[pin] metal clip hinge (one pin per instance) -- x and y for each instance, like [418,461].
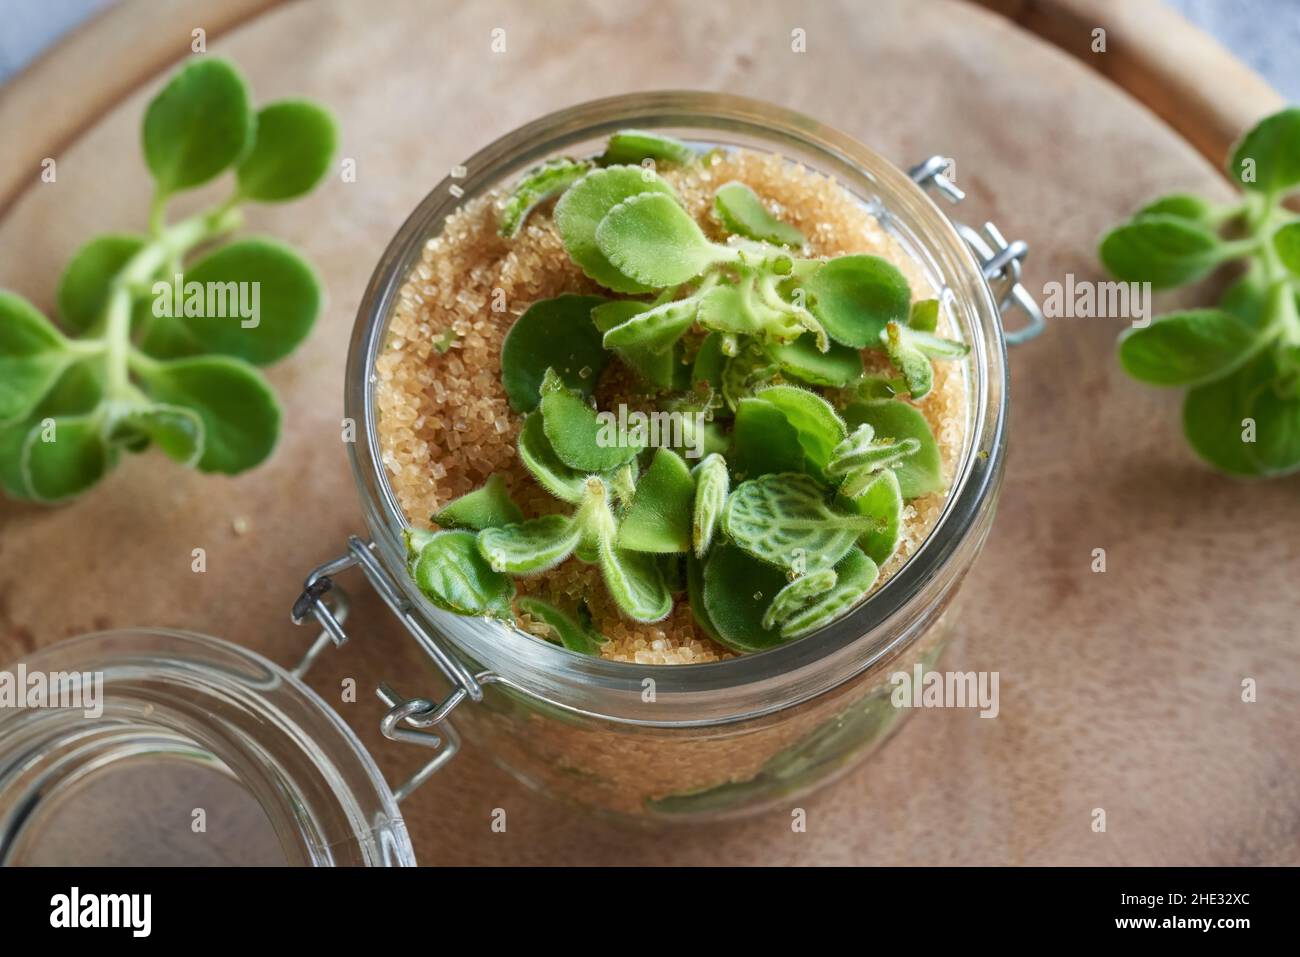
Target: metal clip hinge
[1000,261]
[408,719]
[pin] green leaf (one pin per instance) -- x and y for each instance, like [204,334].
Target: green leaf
[1186,348]
[924,316]
[486,507]
[749,369]
[293,146]
[539,458]
[77,392]
[857,573]
[736,590]
[920,473]
[1182,205]
[176,430]
[859,457]
[764,441]
[797,594]
[199,124]
[854,297]
[1161,249]
[658,367]
[556,334]
[635,581]
[743,213]
[1276,449]
[241,418]
[1287,243]
[882,499]
[1215,414]
[534,188]
[655,329]
[84,287]
[659,517]
[530,547]
[631,147]
[64,457]
[695,595]
[33,355]
[912,364]
[817,426]
[801,359]
[709,360]
[570,634]
[584,204]
[1249,298]
[711,486]
[581,439]
[1267,160]
[449,570]
[1277,421]
[255,299]
[652,239]
[784,519]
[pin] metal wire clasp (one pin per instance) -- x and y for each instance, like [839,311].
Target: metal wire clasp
[408,719]
[1000,261]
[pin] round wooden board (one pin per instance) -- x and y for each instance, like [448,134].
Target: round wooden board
[1119,690]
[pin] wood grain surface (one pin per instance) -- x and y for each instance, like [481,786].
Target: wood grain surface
[1118,690]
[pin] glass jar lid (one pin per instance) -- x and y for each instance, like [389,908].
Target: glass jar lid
[171,748]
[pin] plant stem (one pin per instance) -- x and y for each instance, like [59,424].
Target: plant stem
[170,244]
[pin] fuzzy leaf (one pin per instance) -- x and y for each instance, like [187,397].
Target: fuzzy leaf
[635,582]
[653,330]
[835,368]
[541,461]
[816,424]
[857,573]
[920,473]
[584,204]
[795,595]
[568,632]
[530,547]
[711,486]
[659,517]
[450,571]
[583,440]
[534,188]
[631,147]
[743,213]
[555,334]
[658,367]
[784,519]
[854,297]
[736,590]
[487,507]
[653,240]
[882,499]
[176,430]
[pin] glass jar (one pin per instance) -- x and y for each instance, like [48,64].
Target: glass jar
[170,748]
[700,741]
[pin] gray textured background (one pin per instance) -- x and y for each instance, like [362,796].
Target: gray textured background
[1263,33]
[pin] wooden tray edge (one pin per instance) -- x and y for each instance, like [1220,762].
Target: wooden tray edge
[1161,59]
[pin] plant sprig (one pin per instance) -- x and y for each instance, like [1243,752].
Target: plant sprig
[137,361]
[1240,362]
